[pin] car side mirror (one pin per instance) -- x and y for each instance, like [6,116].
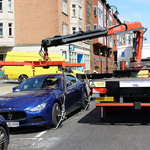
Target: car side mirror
[14,88]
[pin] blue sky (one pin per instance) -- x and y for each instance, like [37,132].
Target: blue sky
[134,10]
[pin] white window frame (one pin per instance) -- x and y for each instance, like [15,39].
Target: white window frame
[73,10]
[1,29]
[9,5]
[1,4]
[74,29]
[95,11]
[64,54]
[95,26]
[10,29]
[64,29]
[100,13]
[64,6]
[80,12]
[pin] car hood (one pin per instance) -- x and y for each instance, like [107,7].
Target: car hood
[24,99]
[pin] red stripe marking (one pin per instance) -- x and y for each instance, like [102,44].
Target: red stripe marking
[112,104]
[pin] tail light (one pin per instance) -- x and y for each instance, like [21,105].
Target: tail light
[99,90]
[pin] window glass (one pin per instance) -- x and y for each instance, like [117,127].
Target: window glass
[95,10]
[10,29]
[64,6]
[80,12]
[72,79]
[65,29]
[1,29]
[73,30]
[9,5]
[1,5]
[73,10]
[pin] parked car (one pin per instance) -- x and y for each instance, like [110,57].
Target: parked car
[38,100]
[4,134]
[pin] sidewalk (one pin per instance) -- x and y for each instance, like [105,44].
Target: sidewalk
[6,88]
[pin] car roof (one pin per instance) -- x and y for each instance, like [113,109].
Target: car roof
[47,75]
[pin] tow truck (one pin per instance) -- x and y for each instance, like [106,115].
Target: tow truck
[121,88]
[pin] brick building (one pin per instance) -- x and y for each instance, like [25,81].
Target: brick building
[32,21]
[24,23]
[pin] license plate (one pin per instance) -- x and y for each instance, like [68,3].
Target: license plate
[105,99]
[13,124]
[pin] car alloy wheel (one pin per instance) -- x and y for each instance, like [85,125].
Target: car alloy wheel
[56,112]
[3,139]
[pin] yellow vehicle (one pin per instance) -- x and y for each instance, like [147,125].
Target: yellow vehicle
[21,73]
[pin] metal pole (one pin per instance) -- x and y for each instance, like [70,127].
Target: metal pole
[106,42]
[101,65]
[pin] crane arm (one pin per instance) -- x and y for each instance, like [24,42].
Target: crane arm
[91,34]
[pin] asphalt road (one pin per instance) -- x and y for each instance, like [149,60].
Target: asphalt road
[84,130]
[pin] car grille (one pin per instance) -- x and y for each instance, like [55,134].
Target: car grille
[15,115]
[35,120]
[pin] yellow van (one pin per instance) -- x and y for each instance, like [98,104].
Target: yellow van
[20,73]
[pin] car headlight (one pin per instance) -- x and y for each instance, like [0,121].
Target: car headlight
[38,108]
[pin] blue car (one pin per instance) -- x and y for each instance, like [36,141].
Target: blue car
[39,99]
[4,134]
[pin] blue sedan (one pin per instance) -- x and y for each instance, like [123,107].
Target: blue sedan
[39,100]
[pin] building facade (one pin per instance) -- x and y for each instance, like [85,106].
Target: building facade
[104,49]
[24,23]
[32,21]
[7,23]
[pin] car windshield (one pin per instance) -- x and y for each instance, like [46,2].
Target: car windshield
[39,83]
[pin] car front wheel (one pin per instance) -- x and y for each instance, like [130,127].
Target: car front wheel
[3,139]
[56,112]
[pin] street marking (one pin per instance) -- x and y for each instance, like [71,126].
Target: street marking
[37,141]
[40,134]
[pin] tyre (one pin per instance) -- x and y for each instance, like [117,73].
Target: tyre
[84,100]
[3,139]
[56,112]
[22,78]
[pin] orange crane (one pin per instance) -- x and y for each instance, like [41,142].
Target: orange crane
[136,27]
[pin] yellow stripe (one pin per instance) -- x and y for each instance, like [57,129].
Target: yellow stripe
[103,99]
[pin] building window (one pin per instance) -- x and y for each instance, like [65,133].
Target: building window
[114,41]
[74,10]
[10,29]
[110,23]
[64,6]
[105,19]
[9,5]
[95,11]
[111,38]
[100,13]
[73,30]
[65,29]
[72,57]
[80,29]
[95,26]
[1,29]
[80,12]
[64,54]
[1,4]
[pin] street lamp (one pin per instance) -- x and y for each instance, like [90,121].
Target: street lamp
[116,13]
[100,55]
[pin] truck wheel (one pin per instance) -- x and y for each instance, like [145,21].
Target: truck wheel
[22,78]
[56,112]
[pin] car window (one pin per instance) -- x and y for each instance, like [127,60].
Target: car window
[72,79]
[52,83]
[38,83]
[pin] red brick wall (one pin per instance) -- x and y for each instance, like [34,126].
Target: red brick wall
[38,19]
